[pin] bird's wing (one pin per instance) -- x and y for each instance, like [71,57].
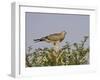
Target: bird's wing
[54,37]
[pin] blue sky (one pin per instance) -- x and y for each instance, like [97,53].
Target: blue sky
[42,24]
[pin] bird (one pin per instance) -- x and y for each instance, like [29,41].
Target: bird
[55,39]
[52,38]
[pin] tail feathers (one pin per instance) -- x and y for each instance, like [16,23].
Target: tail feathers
[39,40]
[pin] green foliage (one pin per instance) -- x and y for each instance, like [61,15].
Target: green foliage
[74,54]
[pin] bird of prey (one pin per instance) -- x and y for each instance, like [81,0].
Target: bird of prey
[55,39]
[52,38]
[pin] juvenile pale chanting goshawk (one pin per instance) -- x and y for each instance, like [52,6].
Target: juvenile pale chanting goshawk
[55,38]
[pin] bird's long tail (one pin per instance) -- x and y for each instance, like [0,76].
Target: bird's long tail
[39,40]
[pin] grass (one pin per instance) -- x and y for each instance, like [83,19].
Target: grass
[69,54]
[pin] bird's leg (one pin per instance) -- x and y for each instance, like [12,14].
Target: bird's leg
[56,46]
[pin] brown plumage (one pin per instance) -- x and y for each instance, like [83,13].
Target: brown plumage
[52,38]
[55,38]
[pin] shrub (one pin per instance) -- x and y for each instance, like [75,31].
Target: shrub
[69,54]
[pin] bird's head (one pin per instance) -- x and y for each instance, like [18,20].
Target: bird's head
[64,32]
